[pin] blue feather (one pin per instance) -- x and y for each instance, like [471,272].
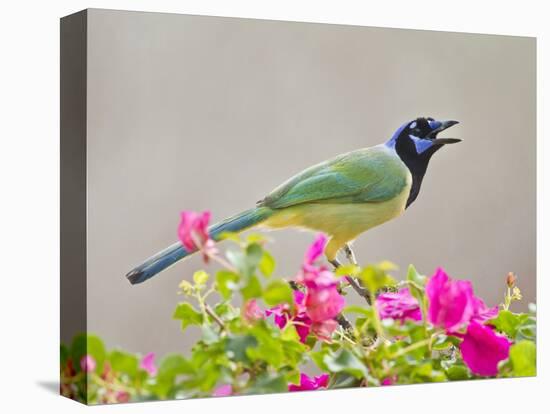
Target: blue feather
[176,252]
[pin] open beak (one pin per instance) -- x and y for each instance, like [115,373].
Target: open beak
[442,141]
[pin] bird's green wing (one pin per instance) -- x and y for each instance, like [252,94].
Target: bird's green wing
[367,175]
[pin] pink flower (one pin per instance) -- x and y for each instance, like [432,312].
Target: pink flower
[451,302]
[399,306]
[283,313]
[310,384]
[323,330]
[193,232]
[323,303]
[316,249]
[389,380]
[481,312]
[122,396]
[482,349]
[87,363]
[148,364]
[224,390]
[252,311]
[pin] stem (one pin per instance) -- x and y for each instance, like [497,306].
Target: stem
[414,346]
[363,292]
[221,261]
[215,317]
[205,308]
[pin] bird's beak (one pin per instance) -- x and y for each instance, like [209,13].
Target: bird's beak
[443,127]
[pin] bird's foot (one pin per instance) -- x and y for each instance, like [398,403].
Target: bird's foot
[355,284]
[350,255]
[336,263]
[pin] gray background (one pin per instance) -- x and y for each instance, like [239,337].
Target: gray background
[189,112]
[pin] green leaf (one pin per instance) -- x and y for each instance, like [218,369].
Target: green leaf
[268,383]
[267,264]
[256,238]
[277,292]
[347,270]
[124,362]
[441,343]
[170,367]
[358,309]
[226,282]
[254,253]
[236,347]
[508,322]
[347,362]
[523,356]
[200,277]
[269,348]
[318,358]
[226,311]
[253,289]
[174,364]
[289,333]
[209,336]
[238,259]
[387,266]
[375,278]
[188,315]
[415,277]
[87,344]
[457,373]
[97,350]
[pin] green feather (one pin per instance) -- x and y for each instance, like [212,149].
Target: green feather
[364,176]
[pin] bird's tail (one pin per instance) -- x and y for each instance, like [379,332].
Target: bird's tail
[174,253]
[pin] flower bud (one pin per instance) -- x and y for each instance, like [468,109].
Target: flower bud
[511,280]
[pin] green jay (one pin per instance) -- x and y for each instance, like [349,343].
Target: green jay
[341,197]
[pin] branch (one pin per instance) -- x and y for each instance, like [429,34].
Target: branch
[215,317]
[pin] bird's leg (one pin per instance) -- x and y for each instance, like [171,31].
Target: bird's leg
[349,254]
[361,291]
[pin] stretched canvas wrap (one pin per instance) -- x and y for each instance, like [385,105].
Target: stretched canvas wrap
[253,206]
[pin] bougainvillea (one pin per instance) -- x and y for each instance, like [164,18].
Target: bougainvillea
[262,331]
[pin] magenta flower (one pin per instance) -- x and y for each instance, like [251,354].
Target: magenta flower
[252,311]
[399,306]
[323,303]
[481,312]
[87,363]
[283,313]
[451,302]
[310,384]
[224,390]
[193,232]
[316,249]
[389,380]
[482,349]
[148,364]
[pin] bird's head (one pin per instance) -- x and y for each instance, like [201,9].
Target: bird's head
[418,139]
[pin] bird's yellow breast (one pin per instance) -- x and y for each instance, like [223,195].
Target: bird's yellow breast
[343,222]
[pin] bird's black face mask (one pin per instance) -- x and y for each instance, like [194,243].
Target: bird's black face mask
[416,142]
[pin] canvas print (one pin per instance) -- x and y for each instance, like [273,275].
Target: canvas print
[253,207]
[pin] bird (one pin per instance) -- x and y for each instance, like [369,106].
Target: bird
[342,197]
